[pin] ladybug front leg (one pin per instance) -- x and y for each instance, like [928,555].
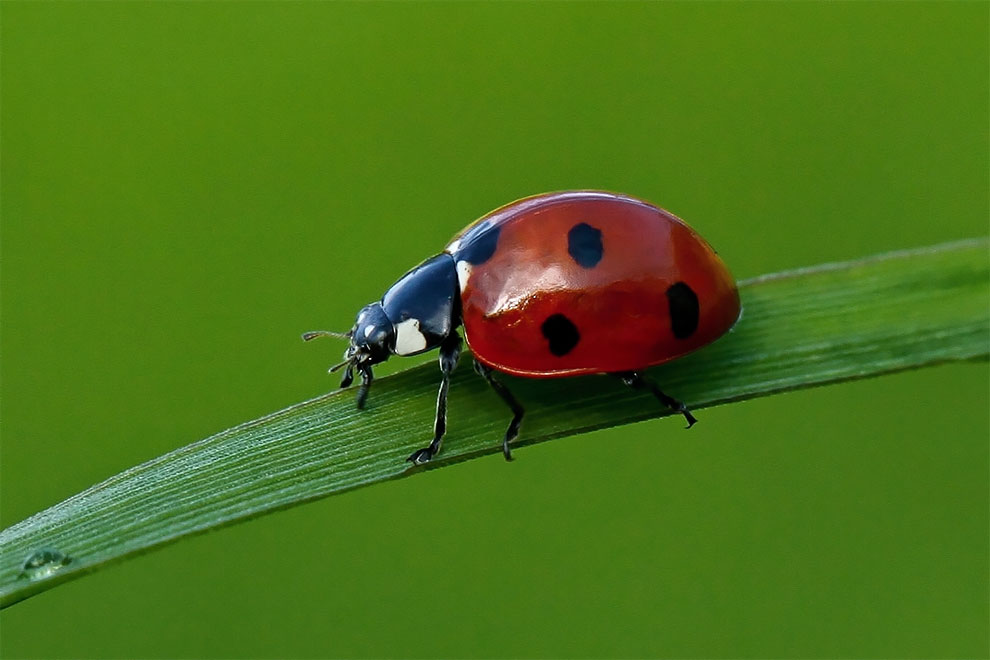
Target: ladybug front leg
[635,380]
[366,377]
[450,351]
[517,410]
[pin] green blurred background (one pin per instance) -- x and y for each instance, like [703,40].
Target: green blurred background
[187,186]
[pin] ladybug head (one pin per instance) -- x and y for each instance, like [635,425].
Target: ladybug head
[372,339]
[415,314]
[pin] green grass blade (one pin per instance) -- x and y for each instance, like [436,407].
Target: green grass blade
[799,329]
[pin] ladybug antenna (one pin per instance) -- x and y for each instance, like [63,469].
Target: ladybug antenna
[338,367]
[313,334]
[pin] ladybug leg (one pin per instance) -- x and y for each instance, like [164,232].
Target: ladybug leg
[450,351]
[348,377]
[517,410]
[635,380]
[366,378]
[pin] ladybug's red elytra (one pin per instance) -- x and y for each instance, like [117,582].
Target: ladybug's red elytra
[554,285]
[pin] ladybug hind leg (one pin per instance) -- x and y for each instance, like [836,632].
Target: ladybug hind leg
[637,381]
[517,410]
[450,351]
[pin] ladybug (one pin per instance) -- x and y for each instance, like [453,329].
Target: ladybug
[554,285]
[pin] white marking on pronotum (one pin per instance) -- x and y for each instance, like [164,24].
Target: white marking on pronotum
[368,329]
[463,274]
[454,246]
[408,338]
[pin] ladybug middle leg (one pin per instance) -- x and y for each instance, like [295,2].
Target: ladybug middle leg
[517,410]
[637,381]
[450,351]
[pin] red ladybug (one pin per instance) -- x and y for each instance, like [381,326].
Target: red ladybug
[554,285]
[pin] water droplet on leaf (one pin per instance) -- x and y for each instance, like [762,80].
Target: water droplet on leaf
[44,563]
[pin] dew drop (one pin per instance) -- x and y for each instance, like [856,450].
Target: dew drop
[44,563]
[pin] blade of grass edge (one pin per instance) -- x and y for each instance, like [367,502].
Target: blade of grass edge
[813,326]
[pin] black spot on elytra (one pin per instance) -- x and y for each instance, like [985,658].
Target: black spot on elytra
[584,243]
[478,245]
[562,334]
[683,303]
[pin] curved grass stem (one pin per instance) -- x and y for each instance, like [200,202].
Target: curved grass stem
[803,328]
